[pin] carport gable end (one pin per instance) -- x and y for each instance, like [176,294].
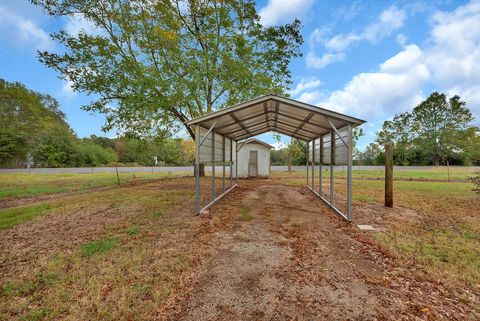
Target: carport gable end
[328,134]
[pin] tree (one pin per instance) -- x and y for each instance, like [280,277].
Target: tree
[371,155]
[436,131]
[441,126]
[156,64]
[25,118]
[55,149]
[400,132]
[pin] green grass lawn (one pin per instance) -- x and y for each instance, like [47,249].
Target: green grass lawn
[438,173]
[33,184]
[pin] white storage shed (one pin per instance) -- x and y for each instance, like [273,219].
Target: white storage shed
[254,159]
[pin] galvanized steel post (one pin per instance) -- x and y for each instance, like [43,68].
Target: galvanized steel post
[308,158]
[349,172]
[236,163]
[320,178]
[197,169]
[313,164]
[223,163]
[332,161]
[231,162]
[213,165]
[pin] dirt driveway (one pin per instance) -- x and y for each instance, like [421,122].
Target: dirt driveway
[294,260]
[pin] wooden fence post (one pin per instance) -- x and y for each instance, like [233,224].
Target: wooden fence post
[388,175]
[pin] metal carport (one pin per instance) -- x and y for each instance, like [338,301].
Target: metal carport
[328,135]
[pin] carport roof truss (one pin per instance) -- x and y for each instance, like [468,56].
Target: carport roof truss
[328,133]
[274,113]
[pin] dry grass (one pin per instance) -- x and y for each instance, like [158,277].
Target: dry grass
[14,185]
[442,241]
[131,264]
[125,271]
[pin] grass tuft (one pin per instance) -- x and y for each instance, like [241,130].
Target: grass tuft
[37,314]
[158,214]
[99,247]
[245,214]
[133,231]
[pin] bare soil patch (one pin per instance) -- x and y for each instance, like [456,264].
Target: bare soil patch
[295,260]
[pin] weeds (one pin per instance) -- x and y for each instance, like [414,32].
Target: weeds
[133,231]
[99,246]
[245,214]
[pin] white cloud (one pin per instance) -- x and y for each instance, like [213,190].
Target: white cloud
[396,86]
[77,23]
[278,11]
[449,62]
[67,89]
[311,97]
[347,13]
[401,39]
[389,21]
[456,50]
[277,145]
[326,59]
[21,31]
[305,84]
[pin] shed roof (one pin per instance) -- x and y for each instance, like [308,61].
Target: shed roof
[274,113]
[257,141]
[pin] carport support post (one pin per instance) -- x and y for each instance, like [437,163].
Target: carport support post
[320,178]
[313,164]
[349,172]
[197,169]
[231,162]
[223,163]
[332,161]
[236,162]
[308,159]
[213,165]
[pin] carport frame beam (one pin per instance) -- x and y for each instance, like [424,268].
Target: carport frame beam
[198,144]
[349,145]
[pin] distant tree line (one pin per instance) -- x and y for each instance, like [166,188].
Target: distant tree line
[33,130]
[439,131]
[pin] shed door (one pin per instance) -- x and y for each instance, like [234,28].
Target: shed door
[253,163]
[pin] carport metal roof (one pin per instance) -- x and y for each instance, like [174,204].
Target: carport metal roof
[274,113]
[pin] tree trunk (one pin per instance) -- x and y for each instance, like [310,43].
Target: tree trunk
[202,166]
[201,170]
[290,158]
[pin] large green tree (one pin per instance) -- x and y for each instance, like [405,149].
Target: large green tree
[436,131]
[400,131]
[25,119]
[442,125]
[153,65]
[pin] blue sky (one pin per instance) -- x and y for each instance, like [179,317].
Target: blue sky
[367,59]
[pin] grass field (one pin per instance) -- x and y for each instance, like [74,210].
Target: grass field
[443,237]
[24,184]
[439,173]
[120,238]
